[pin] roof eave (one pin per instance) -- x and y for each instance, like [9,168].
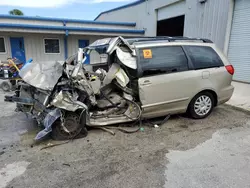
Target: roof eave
[66,20]
[65,28]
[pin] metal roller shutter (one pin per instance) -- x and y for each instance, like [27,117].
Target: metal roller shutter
[239,45]
[173,10]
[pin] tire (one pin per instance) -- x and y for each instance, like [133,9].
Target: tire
[6,86]
[201,105]
[73,124]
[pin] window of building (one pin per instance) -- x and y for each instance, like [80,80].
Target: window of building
[52,46]
[2,45]
[162,60]
[204,57]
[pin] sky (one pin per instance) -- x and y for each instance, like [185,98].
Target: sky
[77,9]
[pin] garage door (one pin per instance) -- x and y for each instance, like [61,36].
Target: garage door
[173,10]
[239,46]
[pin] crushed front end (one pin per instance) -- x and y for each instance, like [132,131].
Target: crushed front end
[66,97]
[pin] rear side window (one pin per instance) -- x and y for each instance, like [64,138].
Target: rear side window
[204,57]
[161,60]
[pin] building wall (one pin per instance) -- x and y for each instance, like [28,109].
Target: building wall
[144,14]
[35,29]
[7,54]
[34,46]
[73,42]
[208,20]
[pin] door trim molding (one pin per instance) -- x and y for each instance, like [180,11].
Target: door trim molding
[166,102]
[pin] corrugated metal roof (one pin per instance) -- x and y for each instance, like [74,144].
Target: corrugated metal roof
[66,20]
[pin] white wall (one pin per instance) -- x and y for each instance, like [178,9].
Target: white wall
[144,14]
[7,54]
[208,20]
[34,46]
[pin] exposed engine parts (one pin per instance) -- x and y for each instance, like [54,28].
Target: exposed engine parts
[66,97]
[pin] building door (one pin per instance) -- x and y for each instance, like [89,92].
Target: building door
[239,45]
[17,48]
[83,44]
[171,27]
[171,19]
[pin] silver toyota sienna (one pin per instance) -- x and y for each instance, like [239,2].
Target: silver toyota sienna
[117,80]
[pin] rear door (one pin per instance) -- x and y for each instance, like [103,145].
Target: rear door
[164,83]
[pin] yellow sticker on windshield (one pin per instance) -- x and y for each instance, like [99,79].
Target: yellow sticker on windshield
[147,54]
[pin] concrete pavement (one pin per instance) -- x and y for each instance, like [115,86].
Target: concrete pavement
[241,96]
[222,161]
[150,159]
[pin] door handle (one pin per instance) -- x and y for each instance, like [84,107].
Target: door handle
[146,82]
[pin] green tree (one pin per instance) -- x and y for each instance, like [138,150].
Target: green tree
[16,12]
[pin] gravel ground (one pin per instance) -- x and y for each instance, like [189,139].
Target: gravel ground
[181,153]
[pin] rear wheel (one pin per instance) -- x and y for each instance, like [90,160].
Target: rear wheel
[73,127]
[201,105]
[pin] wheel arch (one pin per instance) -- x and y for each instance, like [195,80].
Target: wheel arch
[190,109]
[210,91]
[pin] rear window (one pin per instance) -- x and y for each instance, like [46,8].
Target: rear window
[161,60]
[204,57]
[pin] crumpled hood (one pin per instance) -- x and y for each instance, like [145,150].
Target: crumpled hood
[43,75]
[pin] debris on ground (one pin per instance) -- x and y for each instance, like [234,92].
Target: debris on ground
[156,126]
[50,145]
[65,164]
[142,129]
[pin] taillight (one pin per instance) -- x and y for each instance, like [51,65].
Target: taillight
[230,69]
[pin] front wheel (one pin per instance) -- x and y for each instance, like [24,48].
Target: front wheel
[72,127]
[201,105]
[6,86]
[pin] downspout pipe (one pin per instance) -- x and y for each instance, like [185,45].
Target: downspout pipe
[66,47]
[66,41]
[229,26]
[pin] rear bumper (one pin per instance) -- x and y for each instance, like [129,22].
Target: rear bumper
[225,94]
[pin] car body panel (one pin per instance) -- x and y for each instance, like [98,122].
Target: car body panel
[171,93]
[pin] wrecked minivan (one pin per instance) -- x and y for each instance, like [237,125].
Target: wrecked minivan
[126,80]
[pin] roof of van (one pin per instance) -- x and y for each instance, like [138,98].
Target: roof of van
[166,38]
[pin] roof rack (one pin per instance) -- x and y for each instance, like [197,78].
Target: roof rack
[169,39]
